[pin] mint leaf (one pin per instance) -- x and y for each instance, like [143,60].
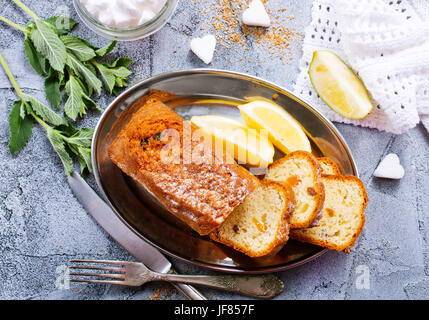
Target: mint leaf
[36,60]
[49,44]
[63,25]
[78,47]
[89,44]
[113,77]
[85,155]
[78,102]
[108,77]
[120,72]
[67,129]
[89,102]
[107,49]
[43,111]
[84,88]
[90,67]
[62,79]
[82,138]
[84,159]
[20,128]
[58,143]
[122,62]
[84,72]
[80,145]
[74,105]
[52,88]
[83,168]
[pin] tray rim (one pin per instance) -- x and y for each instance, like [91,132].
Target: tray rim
[172,74]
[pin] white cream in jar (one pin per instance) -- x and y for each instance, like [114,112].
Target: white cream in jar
[123,14]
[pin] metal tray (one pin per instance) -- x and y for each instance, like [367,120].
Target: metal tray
[202,90]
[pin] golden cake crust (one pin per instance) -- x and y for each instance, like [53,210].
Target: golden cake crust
[329,167]
[276,172]
[311,237]
[198,187]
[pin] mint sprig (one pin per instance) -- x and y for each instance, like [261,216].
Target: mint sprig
[63,59]
[63,136]
[71,67]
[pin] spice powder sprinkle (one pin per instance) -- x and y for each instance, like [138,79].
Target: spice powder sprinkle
[224,18]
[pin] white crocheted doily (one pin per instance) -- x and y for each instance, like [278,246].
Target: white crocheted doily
[387,44]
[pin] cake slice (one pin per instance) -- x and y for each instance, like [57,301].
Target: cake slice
[301,171]
[343,214]
[329,167]
[158,150]
[259,226]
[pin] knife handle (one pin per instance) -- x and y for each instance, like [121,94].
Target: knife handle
[188,291]
[99,209]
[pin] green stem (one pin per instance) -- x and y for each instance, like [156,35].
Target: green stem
[11,77]
[12,24]
[26,9]
[40,121]
[19,91]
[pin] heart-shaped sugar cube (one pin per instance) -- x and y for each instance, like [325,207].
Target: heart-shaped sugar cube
[390,167]
[256,15]
[204,47]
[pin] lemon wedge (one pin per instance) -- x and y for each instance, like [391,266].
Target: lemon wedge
[338,86]
[283,130]
[247,145]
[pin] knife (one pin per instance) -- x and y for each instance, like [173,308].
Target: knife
[111,223]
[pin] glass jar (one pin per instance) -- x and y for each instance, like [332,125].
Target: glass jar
[127,34]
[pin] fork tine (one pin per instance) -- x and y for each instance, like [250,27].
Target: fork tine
[123,283]
[101,275]
[98,268]
[100,261]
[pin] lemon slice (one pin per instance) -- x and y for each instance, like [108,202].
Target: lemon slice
[284,131]
[247,145]
[338,86]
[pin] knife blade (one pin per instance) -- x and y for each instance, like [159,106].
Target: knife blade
[112,224]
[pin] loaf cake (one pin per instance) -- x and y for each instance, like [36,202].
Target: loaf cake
[342,216]
[301,170]
[328,166]
[259,226]
[156,149]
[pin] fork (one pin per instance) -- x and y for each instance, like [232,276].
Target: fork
[136,274]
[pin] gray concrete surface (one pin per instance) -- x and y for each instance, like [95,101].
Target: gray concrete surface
[42,225]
